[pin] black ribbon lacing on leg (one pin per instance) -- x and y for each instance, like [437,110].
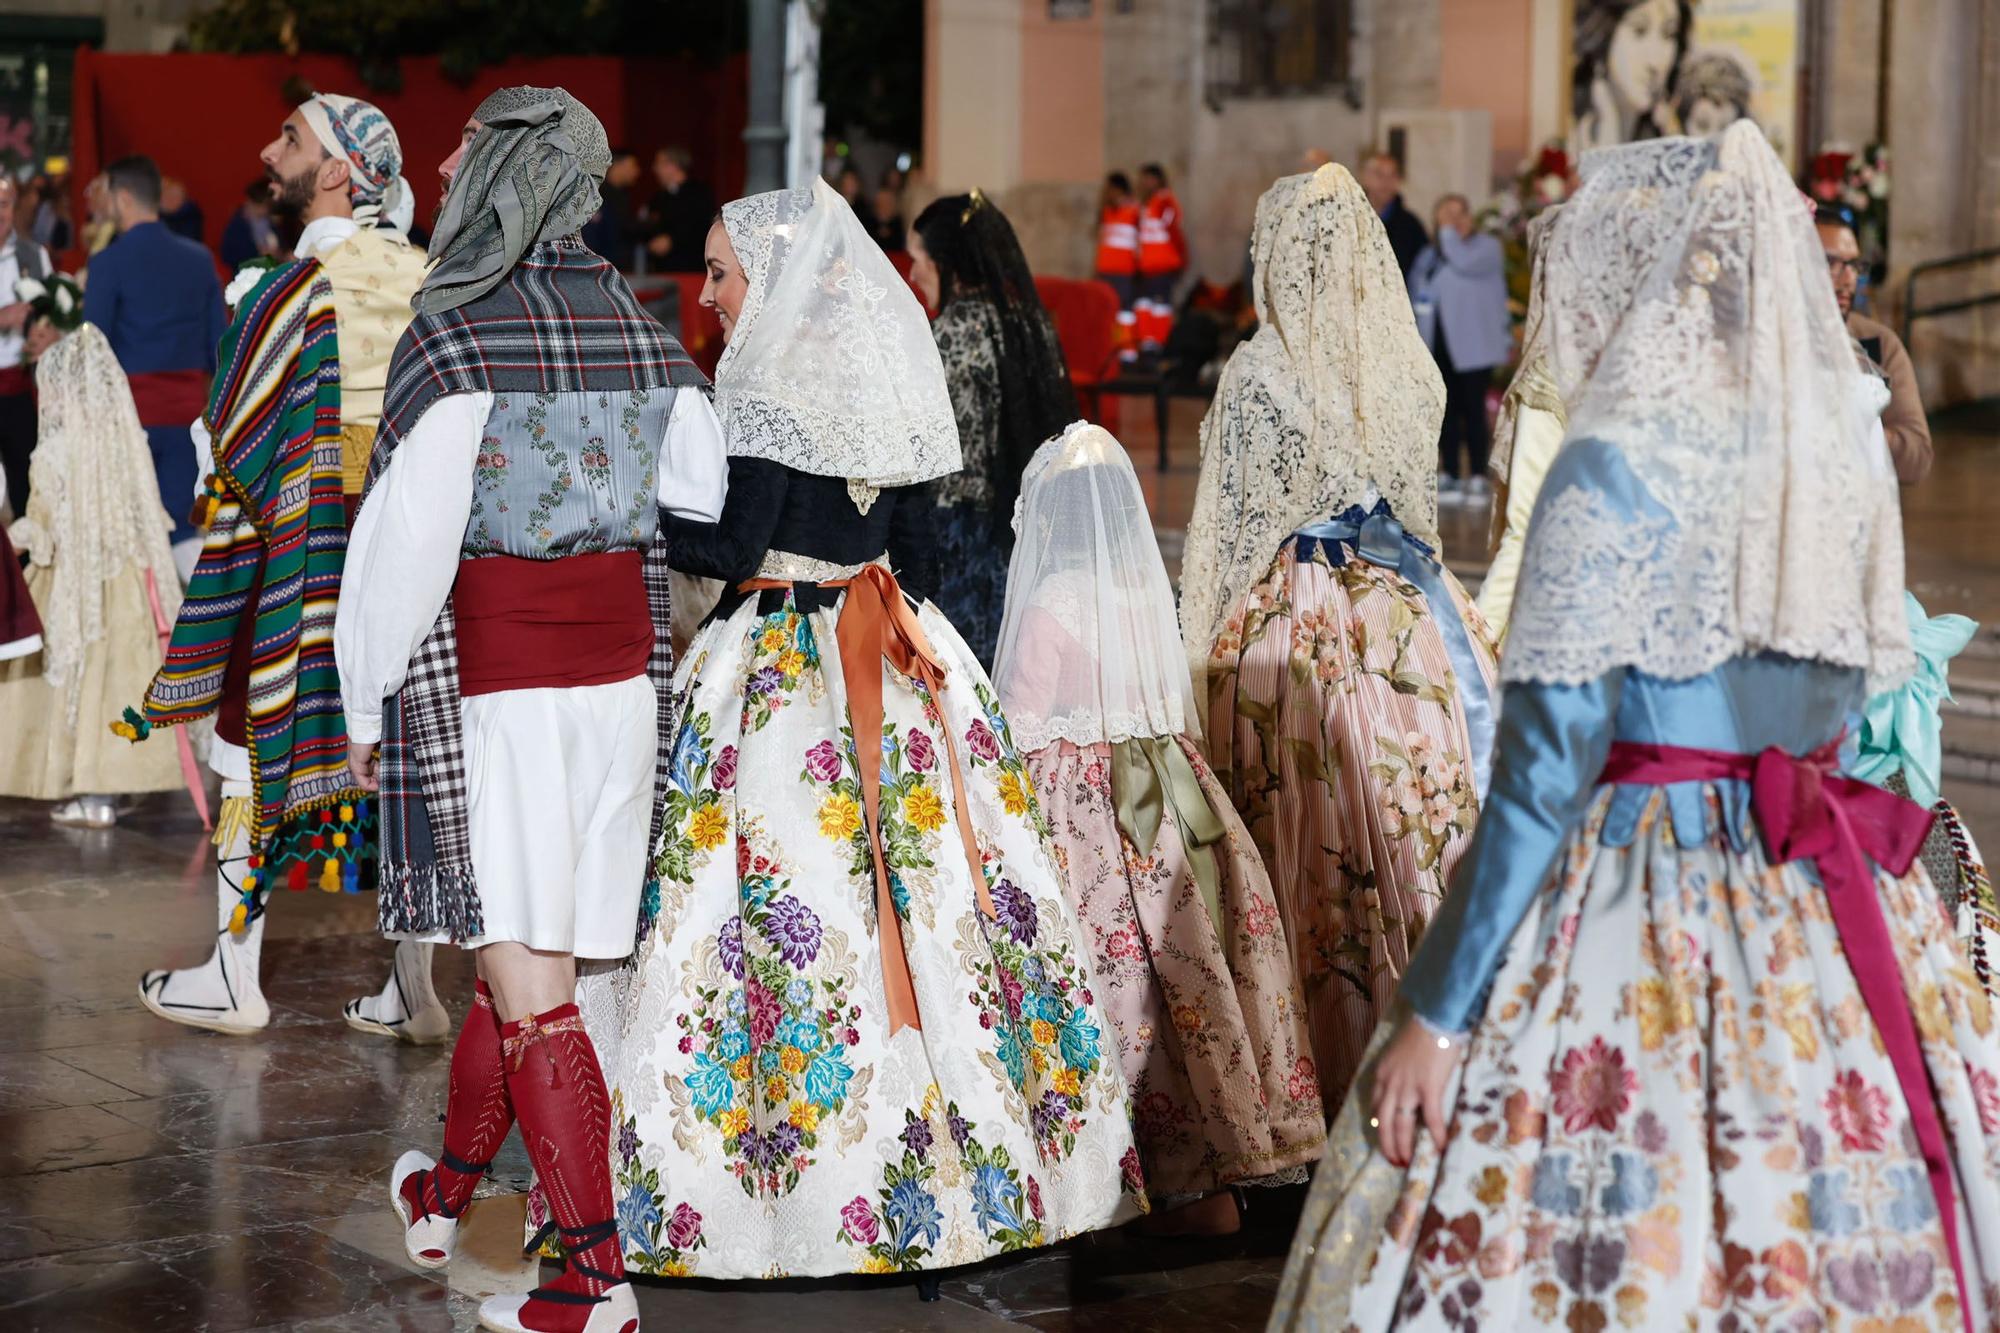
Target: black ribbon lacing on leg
[574,1241]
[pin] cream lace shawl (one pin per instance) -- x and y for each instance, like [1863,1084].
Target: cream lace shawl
[1334,396]
[93,505]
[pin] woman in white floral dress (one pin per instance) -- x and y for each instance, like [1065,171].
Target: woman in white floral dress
[859,1034]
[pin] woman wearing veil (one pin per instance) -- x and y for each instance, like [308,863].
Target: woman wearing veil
[1184,930]
[1347,680]
[859,1033]
[1010,390]
[1690,1042]
[1525,439]
[102,574]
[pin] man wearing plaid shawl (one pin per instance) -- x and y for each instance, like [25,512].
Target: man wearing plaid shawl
[288,426]
[505,641]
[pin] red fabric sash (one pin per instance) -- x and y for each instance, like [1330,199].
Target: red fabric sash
[15,381]
[533,624]
[1806,811]
[169,397]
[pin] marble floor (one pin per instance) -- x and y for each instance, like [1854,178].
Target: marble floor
[157,1178]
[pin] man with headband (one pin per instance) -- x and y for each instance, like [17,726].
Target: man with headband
[317,332]
[505,638]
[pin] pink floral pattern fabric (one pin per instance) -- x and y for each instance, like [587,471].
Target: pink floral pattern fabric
[768,1123]
[1211,1030]
[1334,722]
[1675,1113]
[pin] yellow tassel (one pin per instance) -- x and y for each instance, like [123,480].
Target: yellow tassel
[346,816]
[340,840]
[249,880]
[329,876]
[239,917]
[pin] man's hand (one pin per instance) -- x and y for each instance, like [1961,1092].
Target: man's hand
[12,317]
[361,764]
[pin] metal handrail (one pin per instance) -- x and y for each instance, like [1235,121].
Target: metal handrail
[1912,312]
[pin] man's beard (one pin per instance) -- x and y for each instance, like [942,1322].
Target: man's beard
[292,196]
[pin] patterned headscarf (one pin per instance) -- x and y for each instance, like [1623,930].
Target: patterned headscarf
[531,174]
[359,134]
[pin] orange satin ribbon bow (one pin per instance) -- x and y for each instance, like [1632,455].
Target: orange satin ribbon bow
[877,624]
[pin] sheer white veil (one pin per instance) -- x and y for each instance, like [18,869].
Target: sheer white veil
[1689,302]
[831,367]
[1090,649]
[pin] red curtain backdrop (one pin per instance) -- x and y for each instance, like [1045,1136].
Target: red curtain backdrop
[204,118]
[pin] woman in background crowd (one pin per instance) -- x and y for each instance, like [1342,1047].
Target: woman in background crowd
[1009,390]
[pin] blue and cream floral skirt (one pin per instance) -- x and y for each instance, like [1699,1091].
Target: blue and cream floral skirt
[766,1122]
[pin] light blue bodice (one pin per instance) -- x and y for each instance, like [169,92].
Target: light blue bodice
[1552,744]
[571,473]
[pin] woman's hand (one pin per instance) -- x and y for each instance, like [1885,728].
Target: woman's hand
[1409,1087]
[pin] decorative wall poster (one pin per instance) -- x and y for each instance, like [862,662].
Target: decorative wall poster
[1643,68]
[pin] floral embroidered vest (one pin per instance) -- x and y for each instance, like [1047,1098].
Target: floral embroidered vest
[568,474]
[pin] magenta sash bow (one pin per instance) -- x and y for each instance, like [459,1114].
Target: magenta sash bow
[1807,811]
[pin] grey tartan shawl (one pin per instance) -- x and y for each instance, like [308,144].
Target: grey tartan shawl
[562,320]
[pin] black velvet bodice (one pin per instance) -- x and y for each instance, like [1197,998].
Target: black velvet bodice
[772,507]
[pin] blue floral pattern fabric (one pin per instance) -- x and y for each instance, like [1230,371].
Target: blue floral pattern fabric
[767,1122]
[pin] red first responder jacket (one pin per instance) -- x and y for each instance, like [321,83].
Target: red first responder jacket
[1162,249]
[1118,240]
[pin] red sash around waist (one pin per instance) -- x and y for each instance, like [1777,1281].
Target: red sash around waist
[15,381]
[1806,811]
[536,624]
[169,397]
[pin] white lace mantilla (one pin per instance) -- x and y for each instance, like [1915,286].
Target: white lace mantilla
[1689,301]
[93,508]
[831,367]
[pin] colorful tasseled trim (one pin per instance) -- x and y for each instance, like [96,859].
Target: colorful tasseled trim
[274,412]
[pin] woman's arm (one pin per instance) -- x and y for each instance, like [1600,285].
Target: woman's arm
[1537,437]
[402,557]
[732,549]
[913,539]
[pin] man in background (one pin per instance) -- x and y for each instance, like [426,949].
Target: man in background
[609,231]
[249,233]
[179,211]
[1382,181]
[1904,424]
[156,298]
[1162,256]
[20,258]
[1459,287]
[679,215]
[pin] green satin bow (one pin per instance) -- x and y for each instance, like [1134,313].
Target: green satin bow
[1150,774]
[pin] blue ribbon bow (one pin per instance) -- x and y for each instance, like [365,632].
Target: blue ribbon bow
[1377,537]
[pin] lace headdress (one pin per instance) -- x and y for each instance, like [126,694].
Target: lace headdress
[93,508]
[1090,650]
[1689,301]
[1333,396]
[831,367]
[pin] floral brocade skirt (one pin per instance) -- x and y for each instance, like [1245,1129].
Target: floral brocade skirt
[1207,1014]
[1676,1113]
[766,1121]
[1335,724]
